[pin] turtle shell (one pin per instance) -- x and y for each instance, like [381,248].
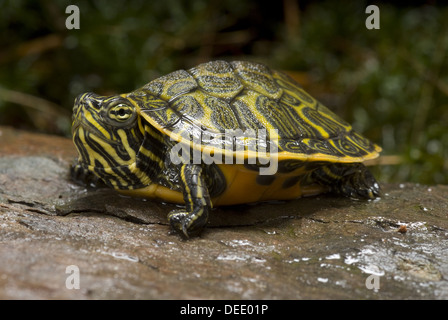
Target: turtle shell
[259,108]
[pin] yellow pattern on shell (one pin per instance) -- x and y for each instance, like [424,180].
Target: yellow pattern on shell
[250,96]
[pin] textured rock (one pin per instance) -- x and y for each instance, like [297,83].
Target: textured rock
[313,248]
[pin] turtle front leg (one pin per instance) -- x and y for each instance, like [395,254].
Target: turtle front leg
[190,222]
[84,177]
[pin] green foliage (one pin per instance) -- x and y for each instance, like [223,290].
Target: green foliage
[391,83]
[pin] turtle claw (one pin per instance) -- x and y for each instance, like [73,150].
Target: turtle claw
[177,221]
[361,191]
[186,224]
[350,180]
[84,177]
[360,184]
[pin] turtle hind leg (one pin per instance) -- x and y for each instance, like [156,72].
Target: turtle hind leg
[352,180]
[191,221]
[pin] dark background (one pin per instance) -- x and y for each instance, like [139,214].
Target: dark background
[391,83]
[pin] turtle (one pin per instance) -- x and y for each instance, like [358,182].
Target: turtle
[220,133]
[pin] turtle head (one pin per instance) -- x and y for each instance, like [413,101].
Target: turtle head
[107,133]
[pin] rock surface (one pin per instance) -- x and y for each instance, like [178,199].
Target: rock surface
[52,230]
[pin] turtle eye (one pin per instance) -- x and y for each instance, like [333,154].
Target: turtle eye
[121,113]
